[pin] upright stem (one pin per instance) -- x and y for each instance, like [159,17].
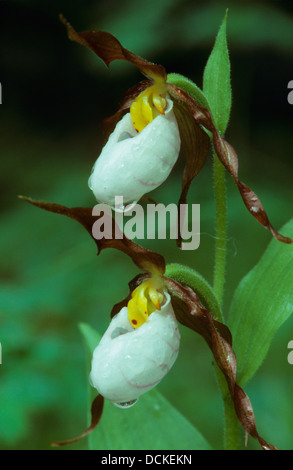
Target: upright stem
[231,430]
[221,229]
[231,423]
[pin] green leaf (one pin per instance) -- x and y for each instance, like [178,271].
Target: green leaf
[191,278]
[189,87]
[261,304]
[216,80]
[151,424]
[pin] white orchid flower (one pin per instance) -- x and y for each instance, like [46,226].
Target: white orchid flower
[138,349]
[140,152]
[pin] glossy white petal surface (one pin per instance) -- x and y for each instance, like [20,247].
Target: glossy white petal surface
[129,362]
[131,163]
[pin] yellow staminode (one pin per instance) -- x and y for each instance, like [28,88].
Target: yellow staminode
[146,298]
[148,105]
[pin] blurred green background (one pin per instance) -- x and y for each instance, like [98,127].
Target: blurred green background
[54,95]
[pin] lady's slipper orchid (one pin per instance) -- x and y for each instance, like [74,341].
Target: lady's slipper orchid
[138,349]
[193,122]
[142,341]
[140,153]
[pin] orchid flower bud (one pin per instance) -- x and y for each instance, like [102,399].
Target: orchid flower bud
[129,361]
[140,152]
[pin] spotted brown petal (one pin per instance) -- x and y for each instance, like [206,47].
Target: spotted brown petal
[145,259]
[228,157]
[96,414]
[190,313]
[108,48]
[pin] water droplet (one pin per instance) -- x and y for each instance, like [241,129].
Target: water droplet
[126,404]
[118,208]
[130,206]
[123,207]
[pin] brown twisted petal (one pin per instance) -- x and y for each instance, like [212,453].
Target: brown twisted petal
[96,414]
[190,313]
[145,259]
[195,145]
[227,156]
[108,48]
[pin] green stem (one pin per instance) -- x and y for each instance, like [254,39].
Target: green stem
[231,426]
[221,229]
[213,302]
[231,422]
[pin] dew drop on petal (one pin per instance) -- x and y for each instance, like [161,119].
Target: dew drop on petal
[118,208]
[124,208]
[126,404]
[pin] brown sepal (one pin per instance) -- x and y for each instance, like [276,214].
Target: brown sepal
[228,157]
[108,48]
[96,414]
[195,145]
[190,313]
[145,259]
